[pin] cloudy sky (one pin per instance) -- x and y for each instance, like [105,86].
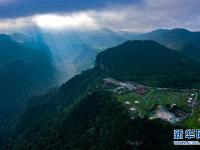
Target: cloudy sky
[131,15]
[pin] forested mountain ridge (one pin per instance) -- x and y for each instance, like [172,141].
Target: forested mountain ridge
[24,72]
[81,114]
[191,51]
[174,38]
[149,62]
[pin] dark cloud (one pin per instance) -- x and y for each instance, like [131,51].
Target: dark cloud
[20,8]
[130,15]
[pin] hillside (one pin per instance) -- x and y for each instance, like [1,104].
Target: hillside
[191,51]
[33,52]
[150,63]
[69,51]
[102,39]
[84,114]
[75,51]
[174,38]
[72,118]
[171,38]
[24,71]
[98,121]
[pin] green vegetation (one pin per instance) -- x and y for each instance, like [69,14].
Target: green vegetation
[97,122]
[175,38]
[24,71]
[192,52]
[150,63]
[194,120]
[165,98]
[81,114]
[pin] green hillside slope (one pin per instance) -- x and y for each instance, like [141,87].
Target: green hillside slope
[150,63]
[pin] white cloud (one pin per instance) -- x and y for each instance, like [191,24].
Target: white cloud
[145,16]
[15,23]
[152,14]
[55,21]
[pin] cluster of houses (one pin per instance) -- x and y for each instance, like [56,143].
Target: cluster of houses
[192,100]
[160,112]
[123,87]
[132,108]
[172,114]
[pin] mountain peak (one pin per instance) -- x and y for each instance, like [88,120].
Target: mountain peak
[173,30]
[180,30]
[19,37]
[105,30]
[5,37]
[145,61]
[141,43]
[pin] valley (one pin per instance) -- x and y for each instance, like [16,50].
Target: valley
[132,89]
[99,74]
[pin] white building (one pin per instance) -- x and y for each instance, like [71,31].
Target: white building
[127,103]
[132,109]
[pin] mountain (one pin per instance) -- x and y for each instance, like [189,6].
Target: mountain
[171,38]
[75,50]
[21,38]
[50,108]
[149,62]
[97,121]
[82,114]
[70,53]
[30,42]
[102,39]
[175,38]
[24,72]
[191,51]
[11,50]
[73,118]
[38,56]
[27,64]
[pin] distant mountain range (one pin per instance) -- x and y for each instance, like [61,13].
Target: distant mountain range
[75,50]
[175,38]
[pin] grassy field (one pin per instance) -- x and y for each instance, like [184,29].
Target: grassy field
[194,120]
[155,97]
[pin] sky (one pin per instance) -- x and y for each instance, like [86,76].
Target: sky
[126,15]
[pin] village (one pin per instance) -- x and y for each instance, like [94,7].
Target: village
[172,105]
